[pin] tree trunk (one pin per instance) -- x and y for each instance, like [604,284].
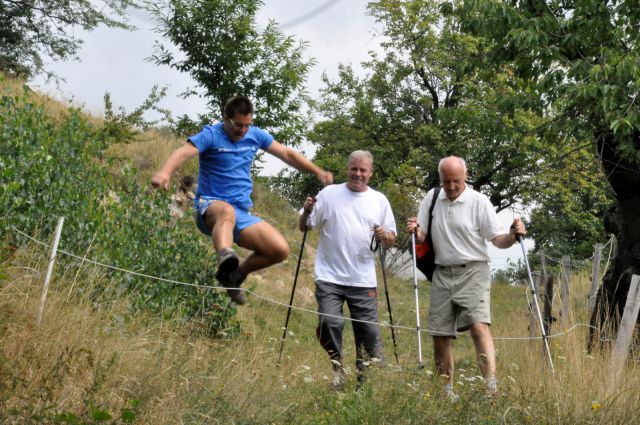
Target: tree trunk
[623,220]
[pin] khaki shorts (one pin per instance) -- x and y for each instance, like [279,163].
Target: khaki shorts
[459,297]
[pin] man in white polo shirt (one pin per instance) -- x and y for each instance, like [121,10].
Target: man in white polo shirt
[462,223]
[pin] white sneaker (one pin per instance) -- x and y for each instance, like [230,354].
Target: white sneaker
[451,396]
[492,386]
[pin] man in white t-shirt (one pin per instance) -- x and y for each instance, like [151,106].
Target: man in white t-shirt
[463,221]
[347,216]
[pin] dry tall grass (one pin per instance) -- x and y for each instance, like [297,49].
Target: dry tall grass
[92,356]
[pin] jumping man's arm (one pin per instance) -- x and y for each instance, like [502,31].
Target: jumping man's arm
[299,162]
[175,160]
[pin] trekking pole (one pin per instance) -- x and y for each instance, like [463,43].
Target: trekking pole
[293,291]
[535,302]
[415,288]
[386,294]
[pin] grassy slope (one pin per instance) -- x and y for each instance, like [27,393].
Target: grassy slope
[91,356]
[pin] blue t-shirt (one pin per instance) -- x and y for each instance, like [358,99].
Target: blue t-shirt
[225,166]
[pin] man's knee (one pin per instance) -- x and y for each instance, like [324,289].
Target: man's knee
[442,343]
[329,326]
[220,212]
[331,323]
[280,251]
[480,330]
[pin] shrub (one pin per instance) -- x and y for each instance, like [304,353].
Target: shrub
[58,166]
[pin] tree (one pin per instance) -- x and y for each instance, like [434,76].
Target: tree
[226,54]
[434,92]
[34,30]
[567,217]
[582,57]
[430,96]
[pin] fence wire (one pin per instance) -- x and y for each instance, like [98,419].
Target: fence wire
[282,304]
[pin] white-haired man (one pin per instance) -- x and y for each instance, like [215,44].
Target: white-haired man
[463,221]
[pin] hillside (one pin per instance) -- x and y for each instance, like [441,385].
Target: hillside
[120,348]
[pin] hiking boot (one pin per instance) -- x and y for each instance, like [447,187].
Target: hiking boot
[237,296]
[338,381]
[228,261]
[233,284]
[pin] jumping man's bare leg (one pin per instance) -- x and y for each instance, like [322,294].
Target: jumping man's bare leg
[221,218]
[268,245]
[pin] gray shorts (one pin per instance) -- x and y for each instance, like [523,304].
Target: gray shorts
[459,297]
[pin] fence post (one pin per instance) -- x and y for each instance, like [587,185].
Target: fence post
[533,319]
[543,265]
[595,277]
[564,293]
[548,303]
[52,258]
[625,332]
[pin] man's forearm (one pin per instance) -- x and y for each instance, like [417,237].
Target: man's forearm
[504,241]
[389,240]
[177,158]
[302,221]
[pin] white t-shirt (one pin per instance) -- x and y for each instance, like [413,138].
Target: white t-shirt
[345,220]
[460,229]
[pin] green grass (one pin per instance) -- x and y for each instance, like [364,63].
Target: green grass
[93,359]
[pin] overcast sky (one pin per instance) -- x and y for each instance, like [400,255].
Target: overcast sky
[112,60]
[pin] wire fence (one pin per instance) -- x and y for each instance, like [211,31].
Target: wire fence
[84,259]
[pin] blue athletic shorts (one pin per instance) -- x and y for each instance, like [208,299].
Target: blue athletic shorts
[244,219]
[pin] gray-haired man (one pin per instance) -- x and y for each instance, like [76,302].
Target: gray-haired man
[347,215]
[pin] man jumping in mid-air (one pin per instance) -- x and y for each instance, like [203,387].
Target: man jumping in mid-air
[223,199]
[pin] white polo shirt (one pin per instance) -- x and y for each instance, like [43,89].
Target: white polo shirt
[460,229]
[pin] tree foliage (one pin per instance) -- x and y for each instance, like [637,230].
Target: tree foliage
[434,91]
[225,52]
[32,31]
[582,57]
[427,97]
[567,217]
